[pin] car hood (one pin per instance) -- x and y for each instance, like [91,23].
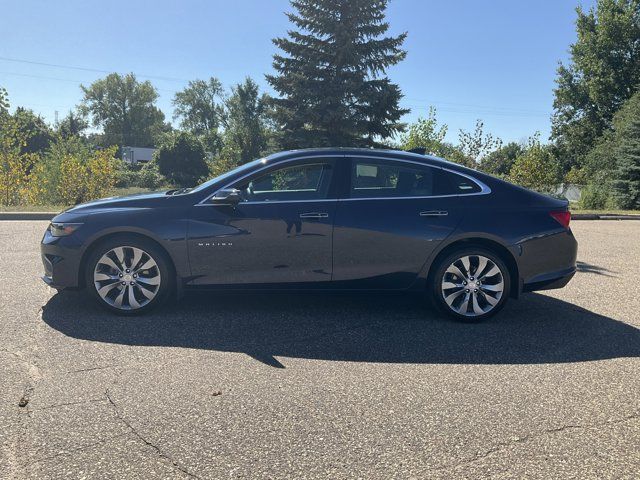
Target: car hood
[139,200]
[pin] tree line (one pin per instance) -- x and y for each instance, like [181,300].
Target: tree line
[332,90]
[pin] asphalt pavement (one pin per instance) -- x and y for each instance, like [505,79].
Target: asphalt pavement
[323,386]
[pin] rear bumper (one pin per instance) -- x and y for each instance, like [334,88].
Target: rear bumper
[548,261]
[550,281]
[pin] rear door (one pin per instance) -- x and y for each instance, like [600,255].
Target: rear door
[395,214]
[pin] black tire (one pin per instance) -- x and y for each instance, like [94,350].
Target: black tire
[163,270]
[437,291]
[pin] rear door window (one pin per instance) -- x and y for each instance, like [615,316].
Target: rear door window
[372,178]
[388,178]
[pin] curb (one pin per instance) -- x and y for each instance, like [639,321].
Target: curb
[27,215]
[603,216]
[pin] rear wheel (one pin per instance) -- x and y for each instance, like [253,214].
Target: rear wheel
[471,284]
[128,276]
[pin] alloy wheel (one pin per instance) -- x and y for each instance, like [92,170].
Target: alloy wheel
[472,285]
[127,278]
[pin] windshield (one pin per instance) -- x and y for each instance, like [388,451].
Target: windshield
[246,167]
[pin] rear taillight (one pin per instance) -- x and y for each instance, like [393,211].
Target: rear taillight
[563,218]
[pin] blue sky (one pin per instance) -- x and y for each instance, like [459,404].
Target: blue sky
[494,60]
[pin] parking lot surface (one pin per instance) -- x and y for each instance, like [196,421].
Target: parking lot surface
[323,386]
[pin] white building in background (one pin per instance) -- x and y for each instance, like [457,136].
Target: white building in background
[134,155]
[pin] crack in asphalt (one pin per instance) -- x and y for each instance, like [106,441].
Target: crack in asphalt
[91,369]
[80,402]
[33,375]
[135,432]
[18,356]
[33,368]
[26,395]
[29,359]
[503,445]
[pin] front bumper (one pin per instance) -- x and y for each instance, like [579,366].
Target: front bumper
[61,261]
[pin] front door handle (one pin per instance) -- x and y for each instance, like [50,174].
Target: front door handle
[434,213]
[314,215]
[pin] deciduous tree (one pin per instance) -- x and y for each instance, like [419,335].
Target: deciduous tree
[245,134]
[200,108]
[125,109]
[474,145]
[603,72]
[536,168]
[500,161]
[72,125]
[38,134]
[425,133]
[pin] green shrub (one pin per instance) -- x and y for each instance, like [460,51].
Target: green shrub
[49,174]
[126,176]
[181,158]
[149,176]
[16,166]
[69,178]
[141,175]
[596,197]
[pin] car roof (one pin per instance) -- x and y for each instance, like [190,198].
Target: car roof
[369,152]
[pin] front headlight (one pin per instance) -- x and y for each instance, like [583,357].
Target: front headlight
[63,229]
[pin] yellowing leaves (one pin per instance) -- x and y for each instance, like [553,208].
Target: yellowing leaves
[83,180]
[26,179]
[15,167]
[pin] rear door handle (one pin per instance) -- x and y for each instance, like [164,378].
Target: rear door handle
[314,215]
[434,213]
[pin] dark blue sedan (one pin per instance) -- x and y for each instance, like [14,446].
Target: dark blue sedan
[329,219]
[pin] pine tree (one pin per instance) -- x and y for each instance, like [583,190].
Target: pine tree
[627,153]
[331,75]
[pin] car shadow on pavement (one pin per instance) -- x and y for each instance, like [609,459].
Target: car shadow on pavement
[359,328]
[589,268]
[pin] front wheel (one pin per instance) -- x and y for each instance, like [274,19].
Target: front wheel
[128,276]
[471,284]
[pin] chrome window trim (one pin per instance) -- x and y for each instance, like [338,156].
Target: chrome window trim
[421,197]
[313,200]
[484,189]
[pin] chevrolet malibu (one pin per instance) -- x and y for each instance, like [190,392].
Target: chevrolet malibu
[328,219]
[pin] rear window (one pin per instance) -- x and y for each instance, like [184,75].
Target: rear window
[453,184]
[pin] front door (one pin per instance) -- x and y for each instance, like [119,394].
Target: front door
[279,233]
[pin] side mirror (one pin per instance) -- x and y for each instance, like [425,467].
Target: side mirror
[227,196]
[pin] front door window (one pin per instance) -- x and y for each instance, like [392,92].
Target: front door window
[296,182]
